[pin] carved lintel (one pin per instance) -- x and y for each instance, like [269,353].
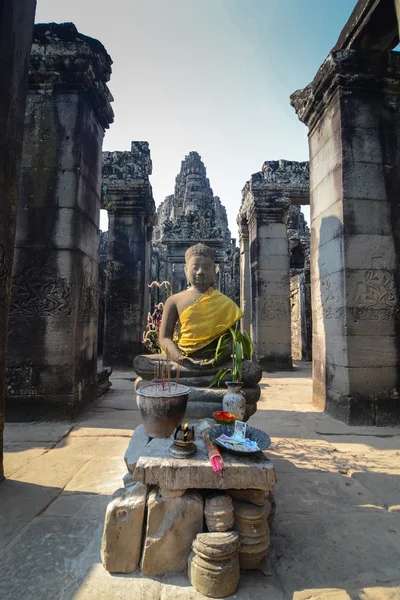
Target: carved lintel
[346,71]
[63,58]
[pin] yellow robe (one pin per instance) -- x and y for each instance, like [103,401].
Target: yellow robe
[206,320]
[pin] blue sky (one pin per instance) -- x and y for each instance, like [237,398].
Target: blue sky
[213,76]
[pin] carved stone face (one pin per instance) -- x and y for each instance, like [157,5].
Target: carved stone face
[199,271]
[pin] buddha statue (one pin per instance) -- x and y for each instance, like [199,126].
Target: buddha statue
[203,314]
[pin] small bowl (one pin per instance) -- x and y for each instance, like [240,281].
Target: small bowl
[223,417]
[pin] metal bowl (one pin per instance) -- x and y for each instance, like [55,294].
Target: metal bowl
[255,435]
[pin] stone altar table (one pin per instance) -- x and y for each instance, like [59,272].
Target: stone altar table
[157,467]
[153,521]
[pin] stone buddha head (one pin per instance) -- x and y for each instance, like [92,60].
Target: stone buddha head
[199,267]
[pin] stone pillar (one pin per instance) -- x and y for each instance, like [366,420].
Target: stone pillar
[300,300]
[16,26]
[52,356]
[245,283]
[270,291]
[131,210]
[265,202]
[352,109]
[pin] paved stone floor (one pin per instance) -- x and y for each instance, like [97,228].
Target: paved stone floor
[336,534]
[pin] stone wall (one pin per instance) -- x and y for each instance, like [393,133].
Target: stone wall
[16,27]
[52,360]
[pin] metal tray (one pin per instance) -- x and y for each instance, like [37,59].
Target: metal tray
[255,435]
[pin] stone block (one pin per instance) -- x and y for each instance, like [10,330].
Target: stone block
[218,512]
[138,442]
[318,226]
[326,191]
[363,251]
[157,467]
[363,180]
[172,525]
[257,497]
[272,231]
[122,536]
[274,262]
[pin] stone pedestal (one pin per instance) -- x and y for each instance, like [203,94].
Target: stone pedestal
[122,537]
[352,110]
[16,26]
[129,201]
[52,355]
[172,525]
[266,200]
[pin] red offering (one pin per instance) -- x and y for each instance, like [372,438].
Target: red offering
[223,417]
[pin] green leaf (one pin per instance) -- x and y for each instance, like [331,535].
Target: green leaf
[218,377]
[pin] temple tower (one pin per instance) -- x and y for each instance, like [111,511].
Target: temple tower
[192,215]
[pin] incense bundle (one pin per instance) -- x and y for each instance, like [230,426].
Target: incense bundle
[213,453]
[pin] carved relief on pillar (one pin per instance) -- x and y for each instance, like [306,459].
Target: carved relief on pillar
[375,297]
[64,58]
[89,294]
[40,292]
[3,272]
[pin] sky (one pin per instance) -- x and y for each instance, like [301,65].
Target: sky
[212,76]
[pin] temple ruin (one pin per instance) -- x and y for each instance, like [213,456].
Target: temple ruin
[265,257]
[189,216]
[52,341]
[128,199]
[351,109]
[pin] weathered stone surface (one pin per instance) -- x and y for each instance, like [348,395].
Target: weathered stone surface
[251,522]
[257,497]
[262,221]
[52,346]
[99,476]
[122,535]
[355,251]
[156,466]
[138,442]
[300,303]
[15,44]
[172,525]
[213,566]
[218,512]
[129,201]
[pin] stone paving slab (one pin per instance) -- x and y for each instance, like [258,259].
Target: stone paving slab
[36,432]
[332,548]
[18,455]
[336,550]
[98,476]
[329,492]
[156,466]
[93,447]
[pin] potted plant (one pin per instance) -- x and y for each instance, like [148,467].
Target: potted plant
[242,348]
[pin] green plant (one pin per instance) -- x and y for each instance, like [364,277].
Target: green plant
[152,331]
[242,349]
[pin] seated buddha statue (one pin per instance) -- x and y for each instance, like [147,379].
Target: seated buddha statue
[202,314]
